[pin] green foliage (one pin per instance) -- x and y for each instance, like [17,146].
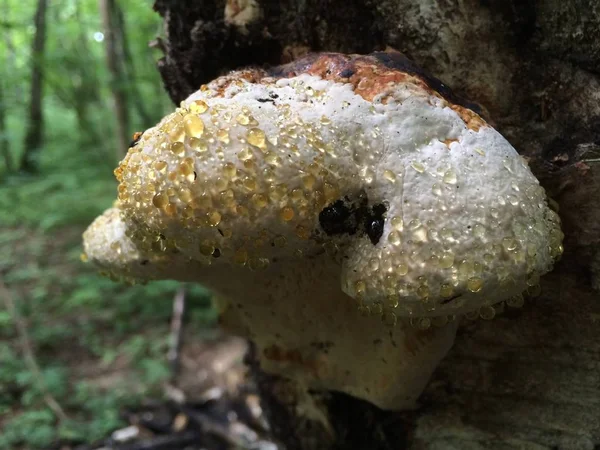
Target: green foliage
[100,345]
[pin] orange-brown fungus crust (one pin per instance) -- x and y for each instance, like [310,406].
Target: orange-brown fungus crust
[371,75]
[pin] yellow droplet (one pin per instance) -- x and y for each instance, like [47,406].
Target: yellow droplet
[256,137]
[509,244]
[423,292]
[193,125]
[229,170]
[308,181]
[245,154]
[297,195]
[177,148]
[83,257]
[259,200]
[160,166]
[198,107]
[474,284]
[206,248]
[240,257]
[447,260]
[417,166]
[175,130]
[446,290]
[214,218]
[242,119]
[198,145]
[273,159]
[170,209]
[394,238]
[401,269]
[389,175]
[450,177]
[436,189]
[360,287]
[221,183]
[286,214]
[223,136]
[397,223]
[185,195]
[160,200]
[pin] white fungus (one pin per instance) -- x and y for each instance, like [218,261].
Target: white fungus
[340,206]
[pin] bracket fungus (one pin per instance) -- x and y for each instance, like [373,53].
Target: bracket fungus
[346,209]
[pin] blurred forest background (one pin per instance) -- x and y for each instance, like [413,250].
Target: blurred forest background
[77,78]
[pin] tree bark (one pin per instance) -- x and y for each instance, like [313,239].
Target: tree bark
[117,82]
[129,67]
[35,125]
[4,142]
[529,379]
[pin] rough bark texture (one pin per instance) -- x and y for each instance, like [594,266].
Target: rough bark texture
[529,379]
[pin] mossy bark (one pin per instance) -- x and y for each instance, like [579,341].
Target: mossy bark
[526,380]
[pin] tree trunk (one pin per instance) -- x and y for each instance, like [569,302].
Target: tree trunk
[129,68]
[529,379]
[35,124]
[86,92]
[4,142]
[117,82]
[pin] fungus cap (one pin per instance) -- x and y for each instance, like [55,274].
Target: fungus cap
[422,203]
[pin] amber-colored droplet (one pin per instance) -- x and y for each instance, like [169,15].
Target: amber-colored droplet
[160,200]
[240,257]
[287,214]
[198,107]
[177,148]
[242,119]
[256,137]
[193,125]
[198,145]
[214,218]
[223,136]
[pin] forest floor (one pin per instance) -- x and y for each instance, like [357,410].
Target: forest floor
[99,345]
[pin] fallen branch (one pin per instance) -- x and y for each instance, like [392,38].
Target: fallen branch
[28,354]
[176,330]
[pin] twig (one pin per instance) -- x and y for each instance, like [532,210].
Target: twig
[28,354]
[176,330]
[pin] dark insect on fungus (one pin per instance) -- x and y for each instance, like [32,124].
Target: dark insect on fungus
[342,217]
[136,138]
[374,223]
[338,218]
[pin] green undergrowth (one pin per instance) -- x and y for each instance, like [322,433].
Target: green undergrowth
[100,345]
